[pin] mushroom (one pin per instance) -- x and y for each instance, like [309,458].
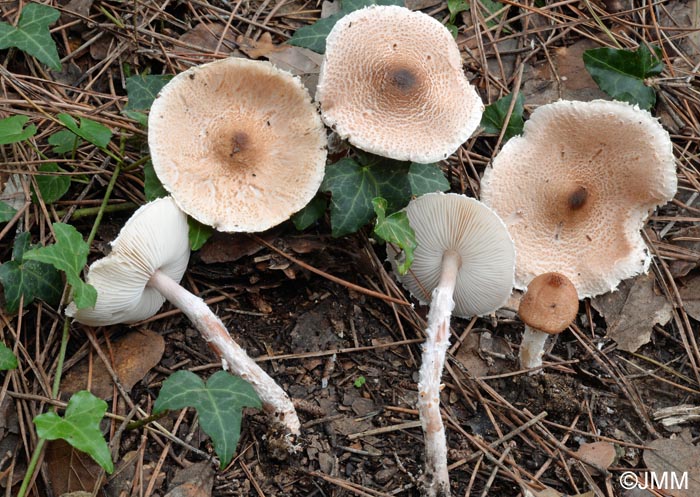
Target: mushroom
[548,307]
[392,83]
[147,261]
[576,188]
[464,262]
[238,143]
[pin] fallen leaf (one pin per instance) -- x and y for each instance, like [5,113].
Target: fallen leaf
[689,290]
[600,454]
[674,458]
[632,311]
[550,492]
[69,469]
[205,37]
[134,355]
[261,47]
[121,481]
[227,247]
[484,354]
[194,481]
[689,239]
[301,62]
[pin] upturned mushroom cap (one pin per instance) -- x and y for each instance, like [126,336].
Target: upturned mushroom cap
[455,222]
[154,238]
[238,143]
[550,303]
[576,188]
[392,83]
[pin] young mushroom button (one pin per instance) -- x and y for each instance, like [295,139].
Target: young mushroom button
[547,308]
[144,268]
[464,261]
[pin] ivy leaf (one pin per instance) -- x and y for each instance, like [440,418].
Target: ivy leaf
[426,178]
[199,233]
[68,254]
[137,116]
[32,34]
[79,426]
[89,130]
[64,141]
[51,187]
[455,7]
[353,186]
[621,73]
[31,279]
[7,358]
[143,89]
[7,212]
[12,128]
[311,213]
[495,114]
[152,187]
[219,404]
[395,229]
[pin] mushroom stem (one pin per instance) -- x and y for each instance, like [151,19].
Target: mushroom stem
[532,348]
[275,401]
[436,480]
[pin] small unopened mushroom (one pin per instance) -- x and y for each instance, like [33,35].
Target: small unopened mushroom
[238,143]
[147,261]
[464,262]
[576,188]
[547,308]
[392,83]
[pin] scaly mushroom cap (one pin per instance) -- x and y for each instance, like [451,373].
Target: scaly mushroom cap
[550,303]
[576,188]
[392,83]
[455,222]
[154,238]
[238,143]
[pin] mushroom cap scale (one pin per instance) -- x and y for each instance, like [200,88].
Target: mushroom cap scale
[154,238]
[576,188]
[550,303]
[444,222]
[406,96]
[238,143]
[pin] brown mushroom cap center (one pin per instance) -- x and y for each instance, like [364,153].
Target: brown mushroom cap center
[402,79]
[577,198]
[235,147]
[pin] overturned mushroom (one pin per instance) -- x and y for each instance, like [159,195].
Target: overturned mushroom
[392,83]
[148,259]
[464,261]
[576,188]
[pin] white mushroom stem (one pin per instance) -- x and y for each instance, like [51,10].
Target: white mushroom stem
[436,479]
[275,401]
[532,348]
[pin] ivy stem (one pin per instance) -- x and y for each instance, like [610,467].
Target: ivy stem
[101,211]
[92,211]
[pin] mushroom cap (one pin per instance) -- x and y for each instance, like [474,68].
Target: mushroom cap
[238,143]
[456,222]
[154,238]
[392,83]
[550,303]
[576,188]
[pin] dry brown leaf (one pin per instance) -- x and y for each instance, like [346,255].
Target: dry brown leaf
[689,239]
[600,454]
[689,290]
[674,457]
[70,470]
[194,481]
[484,354]
[134,355]
[632,311]
[206,37]
[550,492]
[261,47]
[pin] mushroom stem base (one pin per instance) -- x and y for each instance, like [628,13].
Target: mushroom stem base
[275,401]
[436,481]
[532,349]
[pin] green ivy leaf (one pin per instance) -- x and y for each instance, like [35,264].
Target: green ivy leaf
[353,186]
[32,35]
[12,129]
[218,403]
[79,426]
[312,212]
[7,358]
[152,187]
[621,73]
[426,178]
[314,36]
[457,6]
[143,89]
[495,114]
[28,278]
[395,229]
[64,141]
[199,233]
[89,130]
[137,116]
[68,254]
[7,212]
[51,187]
